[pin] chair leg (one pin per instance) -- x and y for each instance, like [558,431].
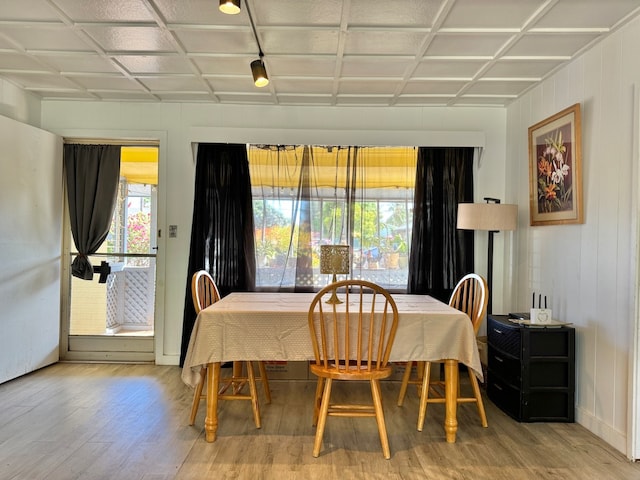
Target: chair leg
[197,394]
[265,381]
[254,395]
[478,395]
[382,429]
[317,400]
[424,395]
[322,419]
[405,383]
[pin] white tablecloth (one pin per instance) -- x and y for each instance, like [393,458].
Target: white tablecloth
[274,326]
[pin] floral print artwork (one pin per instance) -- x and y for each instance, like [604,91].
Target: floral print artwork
[554,164]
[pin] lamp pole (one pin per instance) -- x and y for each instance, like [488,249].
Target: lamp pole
[490,258]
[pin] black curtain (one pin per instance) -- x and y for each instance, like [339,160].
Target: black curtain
[92,173]
[440,253]
[222,232]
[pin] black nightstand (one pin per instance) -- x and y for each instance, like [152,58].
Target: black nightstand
[531,370]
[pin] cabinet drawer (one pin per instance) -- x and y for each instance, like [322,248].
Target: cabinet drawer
[507,368]
[549,374]
[504,337]
[504,396]
[548,406]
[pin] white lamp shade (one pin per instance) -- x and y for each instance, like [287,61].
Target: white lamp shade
[487,216]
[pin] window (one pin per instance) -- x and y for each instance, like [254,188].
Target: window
[307,196]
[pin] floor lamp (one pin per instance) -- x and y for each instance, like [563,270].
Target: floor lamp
[493,217]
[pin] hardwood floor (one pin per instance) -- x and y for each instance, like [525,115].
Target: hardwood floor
[129,422]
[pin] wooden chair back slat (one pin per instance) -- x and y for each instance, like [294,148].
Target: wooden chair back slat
[356,334]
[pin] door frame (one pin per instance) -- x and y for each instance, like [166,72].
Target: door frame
[151,349]
[633,410]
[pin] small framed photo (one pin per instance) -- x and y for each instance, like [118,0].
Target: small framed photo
[555,166]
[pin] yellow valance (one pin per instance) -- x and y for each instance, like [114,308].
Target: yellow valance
[378,167]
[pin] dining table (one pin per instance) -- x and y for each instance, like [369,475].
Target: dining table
[269,326]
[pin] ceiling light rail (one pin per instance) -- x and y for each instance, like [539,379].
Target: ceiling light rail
[258,69]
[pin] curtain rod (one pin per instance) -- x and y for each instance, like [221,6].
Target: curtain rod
[111,141]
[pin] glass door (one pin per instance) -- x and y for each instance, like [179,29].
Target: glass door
[112,316]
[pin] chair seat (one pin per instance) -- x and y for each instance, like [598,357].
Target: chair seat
[352,373]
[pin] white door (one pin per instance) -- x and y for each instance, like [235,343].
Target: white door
[31,206]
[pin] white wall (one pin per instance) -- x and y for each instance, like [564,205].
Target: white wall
[182,124]
[30,247]
[588,270]
[19,104]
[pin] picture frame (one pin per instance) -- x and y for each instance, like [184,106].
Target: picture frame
[555,169]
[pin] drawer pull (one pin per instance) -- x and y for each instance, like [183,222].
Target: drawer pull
[498,387]
[498,359]
[499,332]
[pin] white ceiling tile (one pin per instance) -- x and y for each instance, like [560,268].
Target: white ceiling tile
[188,83]
[45,37]
[233,84]
[549,44]
[105,83]
[165,64]
[298,12]
[413,13]
[587,13]
[16,61]
[198,12]
[224,65]
[105,11]
[218,41]
[362,66]
[78,62]
[44,81]
[296,85]
[130,38]
[433,87]
[31,10]
[467,44]
[361,42]
[493,14]
[521,68]
[498,88]
[431,67]
[368,87]
[308,65]
[299,41]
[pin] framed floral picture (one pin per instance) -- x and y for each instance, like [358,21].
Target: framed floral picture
[555,178]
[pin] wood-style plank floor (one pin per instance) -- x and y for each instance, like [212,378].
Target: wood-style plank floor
[129,422]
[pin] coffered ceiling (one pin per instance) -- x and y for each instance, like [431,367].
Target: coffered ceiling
[316,52]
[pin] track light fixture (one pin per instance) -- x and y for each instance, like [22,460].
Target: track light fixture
[259,72]
[231,7]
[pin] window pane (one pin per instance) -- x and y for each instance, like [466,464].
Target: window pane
[305,197]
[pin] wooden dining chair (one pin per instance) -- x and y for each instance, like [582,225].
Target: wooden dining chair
[351,341]
[204,292]
[469,296]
